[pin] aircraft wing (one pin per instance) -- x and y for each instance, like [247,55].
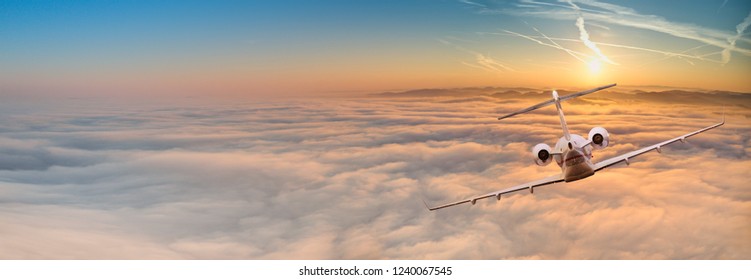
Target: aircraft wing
[497,194]
[625,157]
[559,178]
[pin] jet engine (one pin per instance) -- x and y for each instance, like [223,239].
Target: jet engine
[542,154]
[599,137]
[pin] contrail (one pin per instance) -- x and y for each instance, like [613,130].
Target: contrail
[667,53]
[571,52]
[473,3]
[739,29]
[584,36]
[722,6]
[699,57]
[483,62]
[490,63]
[628,17]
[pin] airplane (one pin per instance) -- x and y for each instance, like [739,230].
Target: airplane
[572,152]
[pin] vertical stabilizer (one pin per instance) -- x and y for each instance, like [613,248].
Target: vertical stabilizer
[557,101]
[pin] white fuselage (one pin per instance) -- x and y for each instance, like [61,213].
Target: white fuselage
[574,159]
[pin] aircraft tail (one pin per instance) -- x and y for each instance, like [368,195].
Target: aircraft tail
[557,101]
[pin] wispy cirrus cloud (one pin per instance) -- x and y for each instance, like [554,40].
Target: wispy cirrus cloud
[482,61]
[612,14]
[489,63]
[575,54]
[578,55]
[472,3]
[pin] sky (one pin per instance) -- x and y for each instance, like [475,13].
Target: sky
[268,48]
[303,130]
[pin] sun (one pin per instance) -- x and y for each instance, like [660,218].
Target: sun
[595,65]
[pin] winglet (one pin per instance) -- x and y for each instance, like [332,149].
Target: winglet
[426,205]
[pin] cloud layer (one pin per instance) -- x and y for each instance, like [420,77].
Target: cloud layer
[345,179]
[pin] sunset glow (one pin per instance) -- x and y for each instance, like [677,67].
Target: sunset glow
[320,130]
[594,66]
[208,48]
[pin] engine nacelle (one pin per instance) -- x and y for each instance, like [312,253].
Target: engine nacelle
[599,137]
[542,154]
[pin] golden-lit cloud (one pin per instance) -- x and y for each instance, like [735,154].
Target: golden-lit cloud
[345,178]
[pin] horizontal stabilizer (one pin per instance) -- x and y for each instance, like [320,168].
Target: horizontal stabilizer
[552,101]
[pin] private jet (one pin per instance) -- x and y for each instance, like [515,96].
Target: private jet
[572,152]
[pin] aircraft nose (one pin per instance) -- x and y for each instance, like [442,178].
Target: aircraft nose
[573,157]
[572,154]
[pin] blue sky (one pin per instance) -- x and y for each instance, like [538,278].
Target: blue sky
[247,47]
